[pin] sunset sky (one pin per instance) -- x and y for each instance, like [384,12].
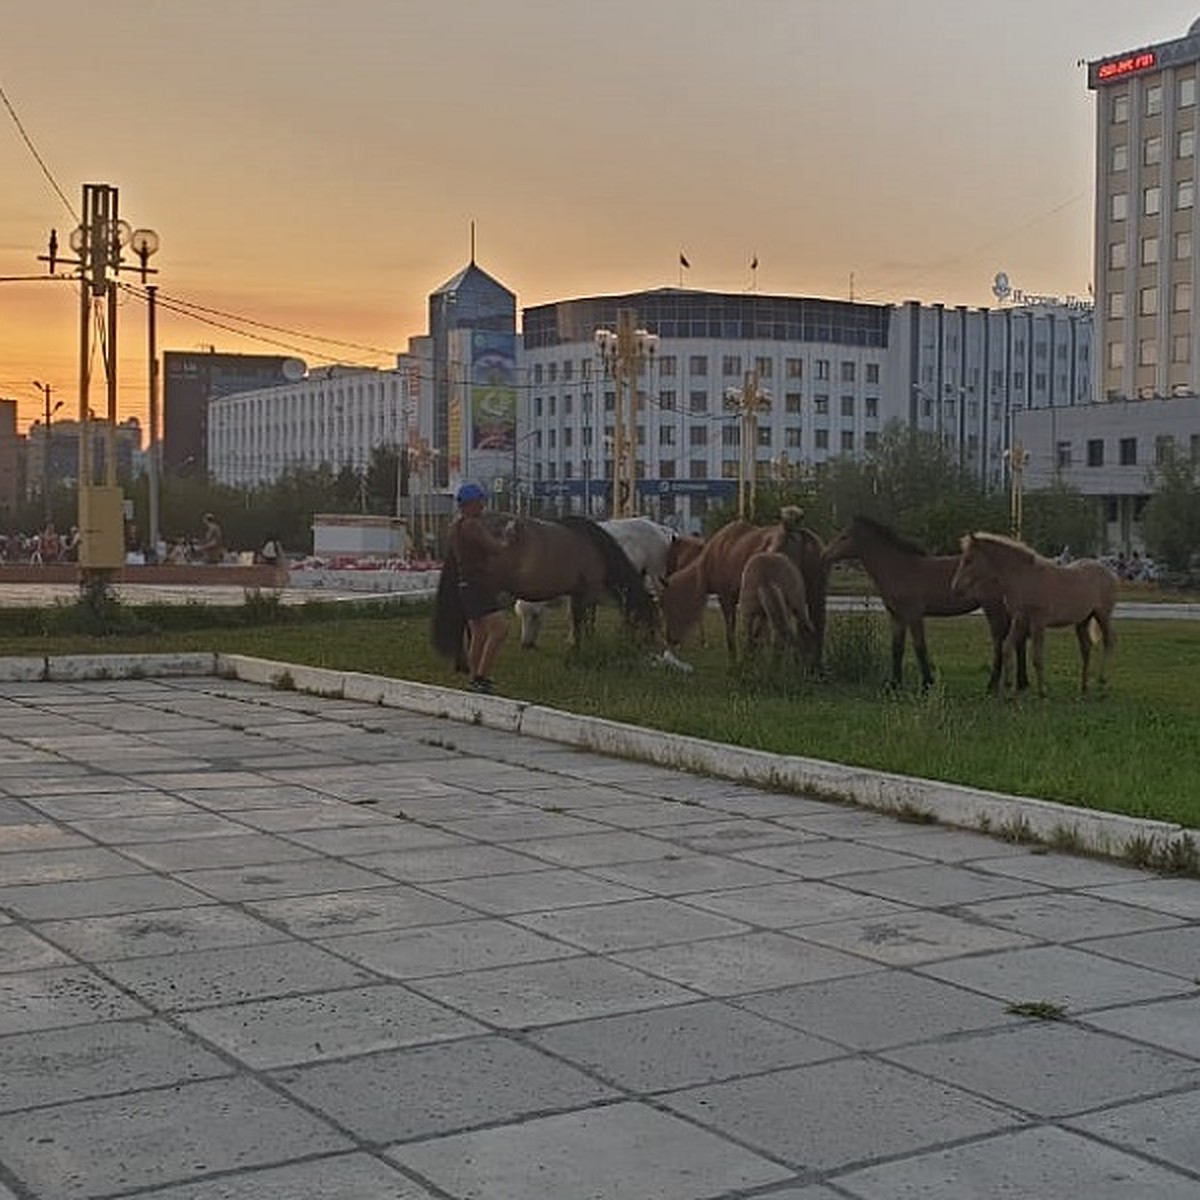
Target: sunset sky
[315,164]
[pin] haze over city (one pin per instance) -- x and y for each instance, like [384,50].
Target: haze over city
[316,167]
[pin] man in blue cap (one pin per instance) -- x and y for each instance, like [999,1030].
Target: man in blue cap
[475,548]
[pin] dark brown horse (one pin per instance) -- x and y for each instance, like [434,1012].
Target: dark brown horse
[1040,594]
[914,585]
[717,570]
[542,560]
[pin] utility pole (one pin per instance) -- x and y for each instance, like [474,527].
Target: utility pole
[748,403]
[623,354]
[45,389]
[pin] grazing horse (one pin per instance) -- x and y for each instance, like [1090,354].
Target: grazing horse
[772,604]
[1041,594]
[717,570]
[914,585]
[646,544]
[542,560]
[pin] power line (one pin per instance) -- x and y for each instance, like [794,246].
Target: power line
[12,112]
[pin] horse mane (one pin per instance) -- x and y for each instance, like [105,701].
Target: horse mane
[887,534]
[620,577]
[1004,543]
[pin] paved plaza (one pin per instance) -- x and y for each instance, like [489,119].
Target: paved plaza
[259,945]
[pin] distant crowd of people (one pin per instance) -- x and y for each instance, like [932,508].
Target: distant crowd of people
[46,546]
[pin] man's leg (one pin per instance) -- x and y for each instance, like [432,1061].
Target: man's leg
[492,630]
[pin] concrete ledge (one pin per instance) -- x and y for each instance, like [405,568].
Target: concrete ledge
[1016,817]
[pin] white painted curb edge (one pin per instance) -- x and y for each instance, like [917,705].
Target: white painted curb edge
[1061,825]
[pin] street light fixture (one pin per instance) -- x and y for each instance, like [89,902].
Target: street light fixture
[748,403]
[623,354]
[46,389]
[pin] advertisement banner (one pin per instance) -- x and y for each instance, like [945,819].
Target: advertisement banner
[454,435]
[493,391]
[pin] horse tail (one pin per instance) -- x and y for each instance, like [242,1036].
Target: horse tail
[775,608]
[449,622]
[621,578]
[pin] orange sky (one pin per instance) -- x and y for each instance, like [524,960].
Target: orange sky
[316,166]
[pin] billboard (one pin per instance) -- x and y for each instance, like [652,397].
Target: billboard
[493,391]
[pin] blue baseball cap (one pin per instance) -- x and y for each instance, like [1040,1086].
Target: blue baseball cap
[469,491]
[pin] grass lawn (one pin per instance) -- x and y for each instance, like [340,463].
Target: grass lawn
[1134,750]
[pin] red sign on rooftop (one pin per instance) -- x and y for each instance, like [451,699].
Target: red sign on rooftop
[1129,64]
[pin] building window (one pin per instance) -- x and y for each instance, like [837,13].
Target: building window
[1062,455]
[1187,92]
[1185,144]
[666,401]
[1116,354]
[1152,151]
[847,372]
[764,367]
[872,407]
[1120,158]
[1116,305]
[1118,206]
[731,366]
[1181,348]
[1154,100]
[537,407]
[666,435]
[822,368]
[870,441]
[1181,300]
[730,435]
[1120,109]
[821,439]
[698,364]
[791,402]
[1148,301]
[1149,251]
[1164,450]
[698,435]
[1128,452]
[764,435]
[698,402]
[1183,245]
[697,469]
[1095,452]
[537,372]
[1116,255]
[610,401]
[568,437]
[872,372]
[1148,352]
[1151,201]
[791,437]
[847,406]
[666,365]
[1185,193]
[794,368]
[666,468]
[821,405]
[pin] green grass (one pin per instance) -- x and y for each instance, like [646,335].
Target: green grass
[1134,750]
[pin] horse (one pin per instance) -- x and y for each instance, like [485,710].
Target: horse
[1041,594]
[772,602]
[646,544]
[717,570]
[914,585]
[543,560]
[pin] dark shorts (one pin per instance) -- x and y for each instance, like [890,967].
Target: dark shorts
[477,601]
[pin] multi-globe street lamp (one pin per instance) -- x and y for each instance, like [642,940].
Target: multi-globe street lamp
[748,402]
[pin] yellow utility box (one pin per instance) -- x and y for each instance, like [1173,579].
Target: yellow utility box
[101,528]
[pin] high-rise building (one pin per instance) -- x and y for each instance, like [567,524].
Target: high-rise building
[1147,249]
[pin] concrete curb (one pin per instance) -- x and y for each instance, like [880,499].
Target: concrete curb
[1015,817]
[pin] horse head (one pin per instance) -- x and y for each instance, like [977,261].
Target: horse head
[974,571]
[845,545]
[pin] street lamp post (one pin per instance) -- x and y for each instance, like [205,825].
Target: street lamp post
[1017,458]
[748,403]
[623,354]
[45,389]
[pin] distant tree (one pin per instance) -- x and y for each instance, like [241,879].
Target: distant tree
[1171,518]
[1060,517]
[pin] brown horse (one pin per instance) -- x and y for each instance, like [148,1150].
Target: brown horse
[717,570]
[914,585]
[542,560]
[772,604]
[1041,594]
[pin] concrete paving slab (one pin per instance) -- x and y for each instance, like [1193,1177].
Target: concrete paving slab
[344,1177]
[833,1114]
[56,866]
[58,1066]
[1035,1163]
[405,1094]
[327,1025]
[97,1147]
[604,1154]
[816,1069]
[671,1048]
[1033,1067]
